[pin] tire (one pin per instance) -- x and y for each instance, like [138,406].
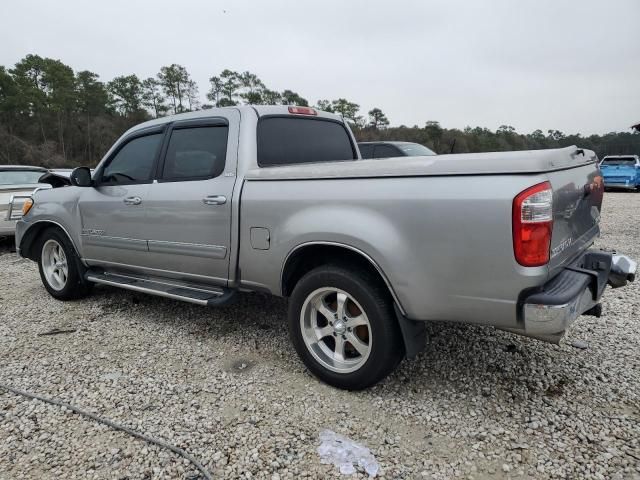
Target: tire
[60,268]
[350,354]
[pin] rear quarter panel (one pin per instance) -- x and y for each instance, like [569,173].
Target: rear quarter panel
[444,242]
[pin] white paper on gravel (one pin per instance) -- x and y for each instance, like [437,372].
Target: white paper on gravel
[346,454]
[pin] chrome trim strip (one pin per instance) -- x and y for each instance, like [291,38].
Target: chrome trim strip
[115,242]
[191,249]
[151,291]
[357,250]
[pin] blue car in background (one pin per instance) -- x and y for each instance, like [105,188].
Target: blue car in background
[621,171]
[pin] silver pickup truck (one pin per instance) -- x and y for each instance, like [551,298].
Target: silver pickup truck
[276,199]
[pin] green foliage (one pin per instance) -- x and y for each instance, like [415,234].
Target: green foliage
[347,109]
[175,83]
[51,116]
[126,94]
[325,105]
[476,139]
[377,119]
[232,88]
[153,98]
[292,98]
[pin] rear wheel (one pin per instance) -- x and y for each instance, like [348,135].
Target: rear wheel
[60,267]
[343,326]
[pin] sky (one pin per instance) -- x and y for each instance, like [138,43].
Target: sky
[571,65]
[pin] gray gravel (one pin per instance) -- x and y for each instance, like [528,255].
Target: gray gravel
[226,386]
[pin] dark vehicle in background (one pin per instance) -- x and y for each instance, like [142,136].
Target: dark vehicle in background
[393,149]
[621,171]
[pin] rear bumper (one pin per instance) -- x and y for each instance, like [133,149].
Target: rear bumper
[550,310]
[7,227]
[622,184]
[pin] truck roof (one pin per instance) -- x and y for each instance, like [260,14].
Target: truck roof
[259,110]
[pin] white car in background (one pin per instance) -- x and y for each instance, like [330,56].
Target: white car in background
[17,182]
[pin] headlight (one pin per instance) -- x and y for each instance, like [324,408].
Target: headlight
[26,206]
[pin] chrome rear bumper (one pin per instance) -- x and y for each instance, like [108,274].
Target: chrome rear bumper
[548,312]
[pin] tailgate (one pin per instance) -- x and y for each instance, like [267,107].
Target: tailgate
[577,199]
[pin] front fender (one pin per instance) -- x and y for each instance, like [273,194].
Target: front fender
[57,207]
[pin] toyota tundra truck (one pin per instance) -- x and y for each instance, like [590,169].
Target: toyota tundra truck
[199,206]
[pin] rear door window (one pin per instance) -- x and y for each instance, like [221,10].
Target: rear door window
[289,140]
[386,151]
[195,153]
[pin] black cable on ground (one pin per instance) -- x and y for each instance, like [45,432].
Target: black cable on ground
[113,425]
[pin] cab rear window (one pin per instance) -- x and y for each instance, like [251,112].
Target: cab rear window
[293,140]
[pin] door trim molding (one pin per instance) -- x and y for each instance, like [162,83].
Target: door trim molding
[121,243]
[217,252]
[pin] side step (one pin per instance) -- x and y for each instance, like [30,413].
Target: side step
[207,297]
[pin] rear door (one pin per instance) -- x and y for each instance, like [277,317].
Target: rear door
[188,212]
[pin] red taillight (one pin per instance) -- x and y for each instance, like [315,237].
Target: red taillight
[302,111]
[532,225]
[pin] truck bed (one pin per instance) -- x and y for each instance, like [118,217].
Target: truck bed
[440,226]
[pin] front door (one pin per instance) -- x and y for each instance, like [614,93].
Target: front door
[112,212]
[188,212]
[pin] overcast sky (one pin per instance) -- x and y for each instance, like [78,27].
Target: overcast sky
[567,65]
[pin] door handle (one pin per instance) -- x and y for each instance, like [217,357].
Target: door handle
[214,200]
[132,201]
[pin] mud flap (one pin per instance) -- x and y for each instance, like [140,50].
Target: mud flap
[414,334]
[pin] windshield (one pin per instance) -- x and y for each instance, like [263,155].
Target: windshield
[20,177]
[622,161]
[415,149]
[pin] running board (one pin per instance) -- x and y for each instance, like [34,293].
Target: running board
[207,297]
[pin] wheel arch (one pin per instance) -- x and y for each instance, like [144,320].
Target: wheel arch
[29,238]
[306,256]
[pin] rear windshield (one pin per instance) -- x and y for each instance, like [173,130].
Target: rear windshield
[289,140]
[19,177]
[622,161]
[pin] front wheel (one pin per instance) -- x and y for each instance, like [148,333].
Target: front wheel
[60,267]
[344,328]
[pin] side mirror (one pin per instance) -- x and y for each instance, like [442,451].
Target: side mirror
[81,177]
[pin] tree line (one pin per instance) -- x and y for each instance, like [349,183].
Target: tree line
[53,116]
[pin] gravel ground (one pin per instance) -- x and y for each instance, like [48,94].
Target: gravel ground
[226,386]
